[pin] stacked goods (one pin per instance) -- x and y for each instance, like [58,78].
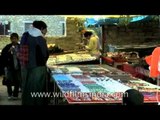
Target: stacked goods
[68,86]
[96,87]
[73,69]
[65,83]
[69,58]
[81,57]
[63,59]
[75,57]
[54,49]
[51,61]
[87,57]
[50,46]
[123,56]
[83,79]
[143,85]
[117,56]
[111,85]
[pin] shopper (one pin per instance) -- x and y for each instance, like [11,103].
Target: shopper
[12,66]
[33,55]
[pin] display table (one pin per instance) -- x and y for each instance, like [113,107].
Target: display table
[71,58]
[93,84]
[112,61]
[135,71]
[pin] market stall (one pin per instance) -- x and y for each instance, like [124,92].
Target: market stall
[58,56]
[81,57]
[138,36]
[134,65]
[83,84]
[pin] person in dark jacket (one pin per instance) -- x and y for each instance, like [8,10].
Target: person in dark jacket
[33,56]
[12,66]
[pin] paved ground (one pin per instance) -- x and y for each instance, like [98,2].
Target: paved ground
[4,97]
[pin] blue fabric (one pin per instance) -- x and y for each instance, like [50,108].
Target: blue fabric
[59,77]
[92,21]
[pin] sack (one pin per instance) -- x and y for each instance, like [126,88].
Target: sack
[4,81]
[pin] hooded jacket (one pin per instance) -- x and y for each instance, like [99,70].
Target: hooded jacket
[37,48]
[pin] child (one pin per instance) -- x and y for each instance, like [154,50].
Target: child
[12,66]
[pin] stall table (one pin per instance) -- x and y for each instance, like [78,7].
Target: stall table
[134,70]
[72,58]
[98,84]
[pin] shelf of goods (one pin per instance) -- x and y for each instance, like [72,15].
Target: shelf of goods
[120,59]
[69,58]
[116,57]
[83,84]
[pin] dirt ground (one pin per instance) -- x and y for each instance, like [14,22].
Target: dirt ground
[4,97]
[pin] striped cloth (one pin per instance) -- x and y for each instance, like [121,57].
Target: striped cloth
[23,50]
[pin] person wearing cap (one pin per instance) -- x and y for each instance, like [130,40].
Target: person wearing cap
[93,45]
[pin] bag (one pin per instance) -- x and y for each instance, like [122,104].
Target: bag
[4,81]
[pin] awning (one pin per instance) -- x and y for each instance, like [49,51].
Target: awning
[115,20]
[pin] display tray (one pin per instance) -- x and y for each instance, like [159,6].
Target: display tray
[72,58]
[86,86]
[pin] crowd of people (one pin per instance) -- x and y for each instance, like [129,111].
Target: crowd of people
[24,64]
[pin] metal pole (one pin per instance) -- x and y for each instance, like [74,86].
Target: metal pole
[159,20]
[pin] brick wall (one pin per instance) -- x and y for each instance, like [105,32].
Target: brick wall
[18,21]
[68,42]
[136,33]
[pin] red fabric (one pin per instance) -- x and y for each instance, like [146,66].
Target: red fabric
[142,71]
[129,69]
[23,55]
[133,71]
[119,59]
[153,60]
[108,60]
[148,59]
[23,52]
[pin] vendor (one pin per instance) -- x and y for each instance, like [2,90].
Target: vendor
[93,46]
[133,58]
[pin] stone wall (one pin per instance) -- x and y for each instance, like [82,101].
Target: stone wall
[72,37]
[135,33]
[53,22]
[67,43]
